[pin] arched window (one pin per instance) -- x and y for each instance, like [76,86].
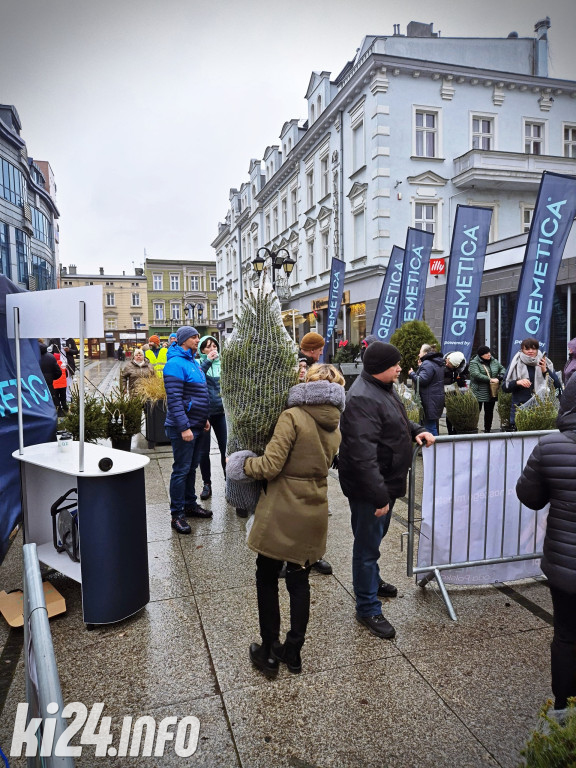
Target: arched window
[319,105]
[312,113]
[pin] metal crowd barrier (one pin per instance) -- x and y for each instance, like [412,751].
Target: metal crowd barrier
[439,563]
[42,681]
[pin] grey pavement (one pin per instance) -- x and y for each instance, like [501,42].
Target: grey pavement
[440,695]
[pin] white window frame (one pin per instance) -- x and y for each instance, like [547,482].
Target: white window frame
[194,282]
[284,214]
[213,283]
[294,204]
[136,300]
[419,109]
[136,321]
[267,227]
[175,310]
[526,214]
[438,206]
[324,175]
[275,220]
[111,324]
[325,235]
[360,249]
[311,257]
[214,311]
[479,134]
[158,307]
[532,140]
[174,282]
[157,282]
[309,187]
[110,299]
[569,144]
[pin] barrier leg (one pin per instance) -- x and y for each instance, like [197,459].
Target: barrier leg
[435,574]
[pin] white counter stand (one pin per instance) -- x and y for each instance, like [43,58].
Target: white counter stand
[113,567]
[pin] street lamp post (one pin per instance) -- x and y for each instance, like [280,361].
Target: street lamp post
[190,313]
[277,260]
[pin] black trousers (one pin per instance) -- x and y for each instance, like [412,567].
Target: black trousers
[298,587]
[488,413]
[563,647]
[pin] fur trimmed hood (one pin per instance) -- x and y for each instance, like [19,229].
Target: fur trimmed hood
[317,393]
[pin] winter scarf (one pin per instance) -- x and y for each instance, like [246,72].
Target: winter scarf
[519,369]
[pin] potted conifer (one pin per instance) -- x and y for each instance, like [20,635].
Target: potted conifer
[153,392]
[95,426]
[462,410]
[124,417]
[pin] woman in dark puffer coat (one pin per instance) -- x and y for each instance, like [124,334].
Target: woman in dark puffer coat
[549,476]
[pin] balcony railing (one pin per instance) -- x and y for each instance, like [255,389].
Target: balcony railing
[488,169]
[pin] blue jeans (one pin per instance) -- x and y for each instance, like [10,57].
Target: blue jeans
[431,425]
[218,424]
[183,478]
[369,531]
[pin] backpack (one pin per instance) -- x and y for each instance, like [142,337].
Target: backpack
[65,534]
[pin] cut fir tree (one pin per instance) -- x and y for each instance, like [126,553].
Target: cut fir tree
[259,365]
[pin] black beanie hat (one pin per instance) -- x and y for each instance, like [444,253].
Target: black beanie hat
[379,357]
[482,351]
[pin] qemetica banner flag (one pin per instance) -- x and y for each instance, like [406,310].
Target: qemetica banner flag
[416,260]
[469,241]
[335,296]
[551,223]
[385,319]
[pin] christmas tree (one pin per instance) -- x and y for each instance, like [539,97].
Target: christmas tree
[259,365]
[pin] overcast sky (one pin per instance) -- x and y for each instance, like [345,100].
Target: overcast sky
[149,111]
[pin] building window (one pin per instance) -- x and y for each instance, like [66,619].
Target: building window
[294,257]
[42,227]
[569,140]
[426,218]
[267,231]
[175,311]
[194,282]
[108,282]
[482,132]
[284,205]
[527,213]
[310,188]
[359,235]
[326,250]
[110,300]
[533,138]
[5,266]
[213,283]
[214,311]
[12,183]
[294,204]
[426,133]
[358,150]
[324,176]
[275,220]
[110,323]
[135,299]
[158,311]
[136,321]
[42,271]
[174,282]
[311,267]
[22,251]
[157,282]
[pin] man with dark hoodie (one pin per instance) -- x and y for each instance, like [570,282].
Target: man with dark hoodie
[186,420]
[549,477]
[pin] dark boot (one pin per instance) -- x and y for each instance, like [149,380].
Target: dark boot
[262,658]
[288,654]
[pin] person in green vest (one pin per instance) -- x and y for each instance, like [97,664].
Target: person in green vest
[156,355]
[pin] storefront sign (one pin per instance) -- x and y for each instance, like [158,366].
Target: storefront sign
[469,241]
[437,266]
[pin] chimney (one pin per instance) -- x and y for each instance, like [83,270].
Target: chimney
[139,271]
[63,271]
[101,270]
[541,47]
[72,269]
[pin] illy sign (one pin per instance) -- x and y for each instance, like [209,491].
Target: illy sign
[437,266]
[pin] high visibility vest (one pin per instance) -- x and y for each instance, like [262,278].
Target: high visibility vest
[157,360]
[61,382]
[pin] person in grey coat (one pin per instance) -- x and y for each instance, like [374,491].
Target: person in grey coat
[549,476]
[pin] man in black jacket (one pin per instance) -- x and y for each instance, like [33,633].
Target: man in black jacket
[549,477]
[375,455]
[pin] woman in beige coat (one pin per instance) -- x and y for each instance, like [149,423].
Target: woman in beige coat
[291,519]
[134,370]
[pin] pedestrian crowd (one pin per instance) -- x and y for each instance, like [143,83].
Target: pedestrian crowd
[367,435]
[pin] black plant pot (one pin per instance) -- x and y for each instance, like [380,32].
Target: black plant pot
[464,431]
[155,418]
[124,444]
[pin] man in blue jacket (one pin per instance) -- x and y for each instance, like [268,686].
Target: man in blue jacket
[186,423]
